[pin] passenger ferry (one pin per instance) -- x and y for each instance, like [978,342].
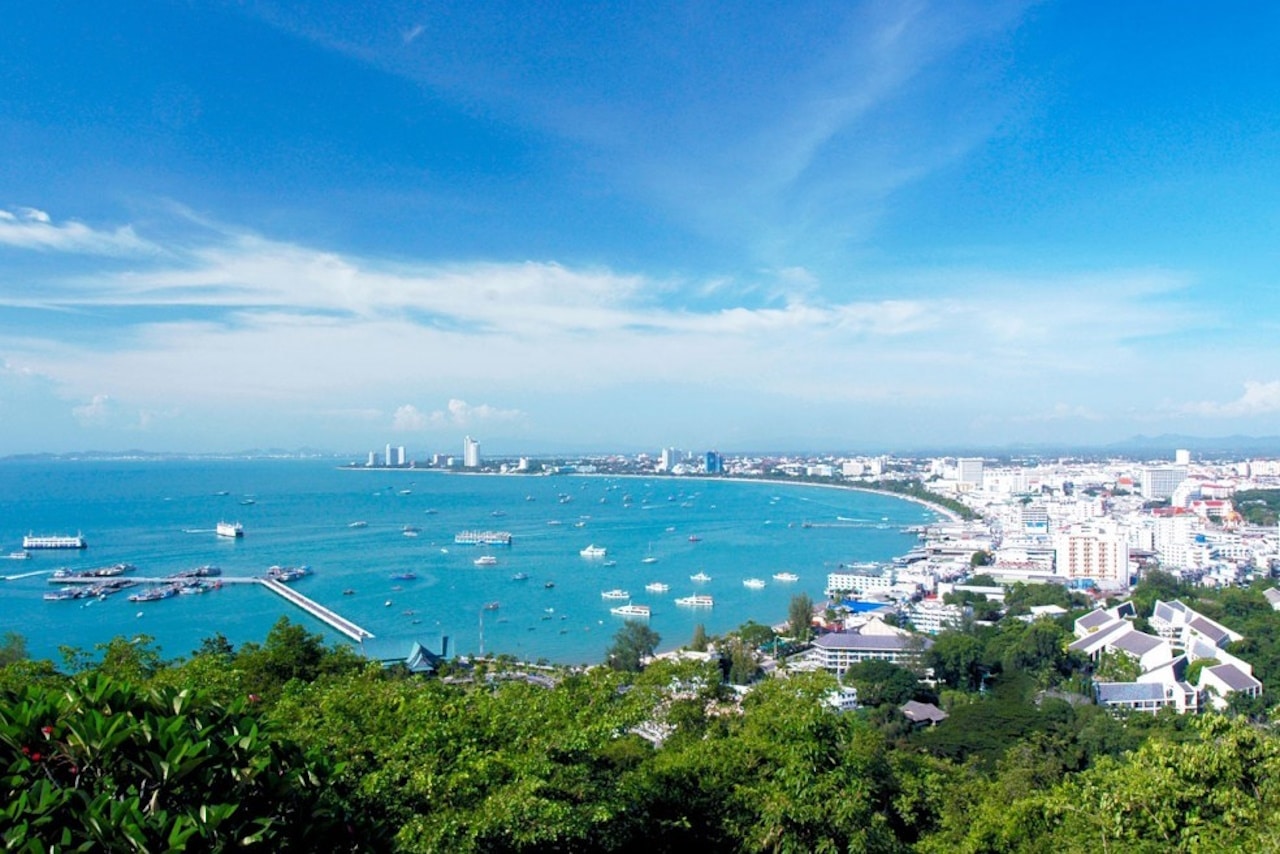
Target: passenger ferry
[230,529]
[31,541]
[483,538]
[641,611]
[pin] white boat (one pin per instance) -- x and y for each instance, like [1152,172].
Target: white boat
[631,611]
[700,577]
[22,555]
[696,601]
[615,594]
[657,587]
[358,525]
[486,560]
[785,576]
[753,583]
[32,541]
[230,529]
[648,559]
[594,551]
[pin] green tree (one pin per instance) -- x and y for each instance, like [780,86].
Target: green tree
[632,644]
[879,682]
[13,648]
[800,617]
[956,659]
[699,642]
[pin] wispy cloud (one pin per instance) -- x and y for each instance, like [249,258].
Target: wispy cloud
[29,228]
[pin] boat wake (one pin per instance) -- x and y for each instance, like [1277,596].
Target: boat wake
[27,574]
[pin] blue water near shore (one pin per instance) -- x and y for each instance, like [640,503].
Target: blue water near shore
[160,516]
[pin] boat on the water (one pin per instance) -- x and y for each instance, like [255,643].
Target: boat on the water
[785,576]
[492,606]
[657,587]
[594,551]
[694,538]
[404,576]
[360,524]
[700,577]
[155,594]
[22,555]
[483,538]
[696,601]
[32,541]
[520,576]
[753,583]
[230,529]
[486,560]
[615,593]
[287,573]
[631,611]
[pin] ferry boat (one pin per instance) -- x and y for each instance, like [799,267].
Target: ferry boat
[696,601]
[230,529]
[486,560]
[483,538]
[785,576]
[594,551]
[155,594]
[753,583]
[286,574]
[700,577]
[657,587]
[31,541]
[631,611]
[615,593]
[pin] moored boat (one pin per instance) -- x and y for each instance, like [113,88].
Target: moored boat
[616,593]
[631,611]
[32,541]
[753,583]
[594,551]
[696,601]
[700,577]
[785,576]
[486,560]
[657,587]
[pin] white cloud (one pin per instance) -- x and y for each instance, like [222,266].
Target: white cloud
[96,412]
[28,228]
[408,419]
[459,413]
[1258,398]
[409,35]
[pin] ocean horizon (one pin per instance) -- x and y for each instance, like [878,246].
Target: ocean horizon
[358,529]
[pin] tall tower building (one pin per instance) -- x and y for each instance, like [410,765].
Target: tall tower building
[969,470]
[387,456]
[470,453]
[400,455]
[715,463]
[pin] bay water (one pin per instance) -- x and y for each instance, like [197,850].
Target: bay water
[161,516]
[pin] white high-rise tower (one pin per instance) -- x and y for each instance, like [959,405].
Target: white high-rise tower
[470,453]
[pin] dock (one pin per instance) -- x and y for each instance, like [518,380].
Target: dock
[315,609]
[330,618]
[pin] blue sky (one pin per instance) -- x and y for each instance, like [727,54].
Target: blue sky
[734,225]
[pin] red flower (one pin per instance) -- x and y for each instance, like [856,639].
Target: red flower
[47,730]
[35,757]
[26,750]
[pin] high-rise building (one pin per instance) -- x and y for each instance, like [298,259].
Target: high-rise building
[400,456]
[1159,482]
[1099,552]
[969,470]
[387,456]
[1182,457]
[715,463]
[373,459]
[470,453]
[669,458]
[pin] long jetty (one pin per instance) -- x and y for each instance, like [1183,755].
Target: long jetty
[312,607]
[315,609]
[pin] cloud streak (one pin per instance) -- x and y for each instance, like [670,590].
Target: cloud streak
[33,229]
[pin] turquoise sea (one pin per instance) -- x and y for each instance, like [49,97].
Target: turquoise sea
[160,516]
